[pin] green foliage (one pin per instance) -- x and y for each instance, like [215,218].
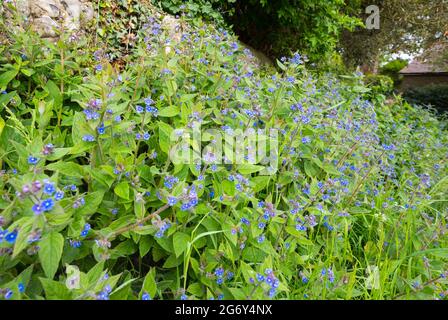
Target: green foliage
[435,95]
[277,28]
[392,69]
[93,207]
[379,84]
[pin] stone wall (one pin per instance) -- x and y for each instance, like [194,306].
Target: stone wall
[49,16]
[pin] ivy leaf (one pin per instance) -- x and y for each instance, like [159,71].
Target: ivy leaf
[50,253]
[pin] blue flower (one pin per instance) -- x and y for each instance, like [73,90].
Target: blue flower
[37,209]
[8,294]
[101,129]
[183,297]
[88,138]
[21,287]
[59,195]
[33,160]
[47,204]
[11,237]
[306,140]
[146,296]
[75,243]
[172,201]
[219,272]
[159,234]
[49,188]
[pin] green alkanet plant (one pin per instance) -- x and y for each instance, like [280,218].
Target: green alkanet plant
[93,207]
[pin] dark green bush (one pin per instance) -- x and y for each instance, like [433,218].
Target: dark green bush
[435,95]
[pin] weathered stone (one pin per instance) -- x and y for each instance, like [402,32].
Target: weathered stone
[45,15]
[40,8]
[45,26]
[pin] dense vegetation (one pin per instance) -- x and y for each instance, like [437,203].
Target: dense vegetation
[356,210]
[434,95]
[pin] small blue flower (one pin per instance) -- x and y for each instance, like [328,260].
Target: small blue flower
[33,160]
[37,209]
[172,201]
[8,294]
[47,204]
[75,243]
[219,272]
[146,296]
[183,297]
[139,109]
[306,140]
[11,237]
[101,129]
[59,195]
[21,287]
[88,138]
[49,188]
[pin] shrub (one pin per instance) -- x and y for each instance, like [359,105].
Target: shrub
[93,207]
[392,69]
[379,86]
[435,95]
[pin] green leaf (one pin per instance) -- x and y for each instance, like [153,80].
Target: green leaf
[50,253]
[171,87]
[54,93]
[169,112]
[55,290]
[2,125]
[149,284]
[95,273]
[249,168]
[93,200]
[144,245]
[122,190]
[139,209]
[70,169]
[6,77]
[180,242]
[164,136]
